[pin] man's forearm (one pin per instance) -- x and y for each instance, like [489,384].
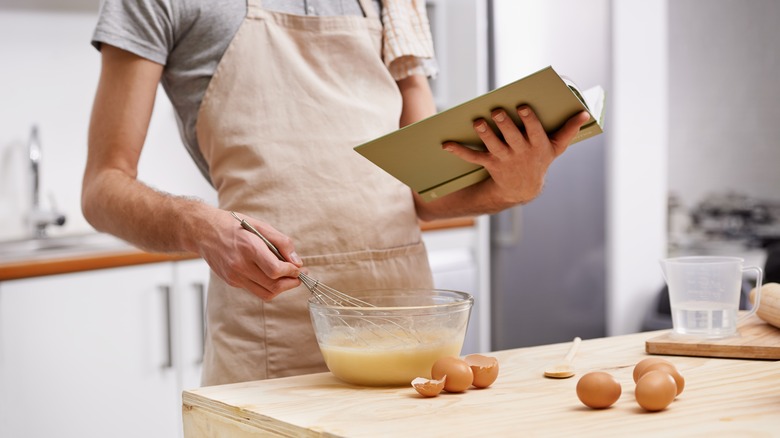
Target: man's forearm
[116,203]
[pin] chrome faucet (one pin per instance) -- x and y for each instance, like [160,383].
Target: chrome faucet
[39,219]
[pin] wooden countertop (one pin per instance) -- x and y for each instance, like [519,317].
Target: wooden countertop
[36,266]
[726,397]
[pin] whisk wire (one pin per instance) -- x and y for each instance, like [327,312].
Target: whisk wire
[327,295]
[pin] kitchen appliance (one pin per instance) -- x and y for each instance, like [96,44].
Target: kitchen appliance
[548,258]
[546,275]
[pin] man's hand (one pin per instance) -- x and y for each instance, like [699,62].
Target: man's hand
[518,163]
[243,260]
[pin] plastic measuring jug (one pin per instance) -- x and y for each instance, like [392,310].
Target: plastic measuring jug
[704,294]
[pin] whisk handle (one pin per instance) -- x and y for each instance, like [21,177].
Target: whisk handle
[245,225]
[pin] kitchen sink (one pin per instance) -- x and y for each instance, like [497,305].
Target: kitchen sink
[59,245]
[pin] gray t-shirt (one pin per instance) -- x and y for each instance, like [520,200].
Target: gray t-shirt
[189,38]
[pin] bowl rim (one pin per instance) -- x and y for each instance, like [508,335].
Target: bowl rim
[466,299]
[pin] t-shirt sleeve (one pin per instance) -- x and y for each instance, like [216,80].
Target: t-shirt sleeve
[142,27]
[407,41]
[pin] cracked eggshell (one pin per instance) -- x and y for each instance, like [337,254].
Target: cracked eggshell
[484,368]
[428,387]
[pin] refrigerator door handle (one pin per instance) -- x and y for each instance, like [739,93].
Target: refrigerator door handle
[509,229]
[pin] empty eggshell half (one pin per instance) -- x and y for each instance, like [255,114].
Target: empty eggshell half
[428,387]
[485,369]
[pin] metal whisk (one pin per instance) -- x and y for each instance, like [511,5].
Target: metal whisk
[327,295]
[323,293]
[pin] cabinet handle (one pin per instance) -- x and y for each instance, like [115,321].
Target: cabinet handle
[168,363]
[200,291]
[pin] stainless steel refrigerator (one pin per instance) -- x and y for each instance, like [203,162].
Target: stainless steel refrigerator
[547,262]
[547,258]
[548,265]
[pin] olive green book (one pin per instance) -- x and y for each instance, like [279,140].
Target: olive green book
[413,154]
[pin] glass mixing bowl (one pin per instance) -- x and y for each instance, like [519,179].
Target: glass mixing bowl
[397,340]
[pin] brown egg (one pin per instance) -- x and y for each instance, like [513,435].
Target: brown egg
[655,390]
[485,369]
[458,373]
[598,390]
[640,367]
[670,369]
[428,387]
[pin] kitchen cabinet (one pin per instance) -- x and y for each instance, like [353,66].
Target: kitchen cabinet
[100,353]
[191,279]
[458,260]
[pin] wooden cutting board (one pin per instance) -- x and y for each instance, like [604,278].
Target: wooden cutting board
[756,340]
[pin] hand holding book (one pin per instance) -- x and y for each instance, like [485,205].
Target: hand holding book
[414,153]
[517,157]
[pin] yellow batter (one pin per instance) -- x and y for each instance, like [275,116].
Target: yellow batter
[388,357]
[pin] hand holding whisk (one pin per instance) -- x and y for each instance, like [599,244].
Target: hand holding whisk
[321,292]
[326,295]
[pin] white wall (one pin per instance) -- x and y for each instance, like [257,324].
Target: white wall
[724,98]
[48,77]
[551,32]
[637,173]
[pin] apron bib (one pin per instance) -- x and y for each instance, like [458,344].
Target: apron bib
[289,100]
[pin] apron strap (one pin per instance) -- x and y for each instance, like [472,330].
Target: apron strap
[368,8]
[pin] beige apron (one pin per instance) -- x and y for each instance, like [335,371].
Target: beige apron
[289,100]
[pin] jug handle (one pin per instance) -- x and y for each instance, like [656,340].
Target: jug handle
[759,280]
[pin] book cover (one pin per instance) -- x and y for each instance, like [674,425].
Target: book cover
[413,154]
